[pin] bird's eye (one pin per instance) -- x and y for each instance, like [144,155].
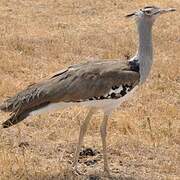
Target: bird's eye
[148,12]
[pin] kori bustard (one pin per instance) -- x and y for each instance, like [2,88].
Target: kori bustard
[98,84]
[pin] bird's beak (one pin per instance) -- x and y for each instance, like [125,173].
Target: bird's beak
[130,15]
[163,11]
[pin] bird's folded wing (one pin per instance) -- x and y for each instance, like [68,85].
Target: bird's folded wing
[73,84]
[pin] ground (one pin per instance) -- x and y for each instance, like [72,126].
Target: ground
[40,37]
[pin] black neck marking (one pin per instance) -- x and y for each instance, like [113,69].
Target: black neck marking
[134,65]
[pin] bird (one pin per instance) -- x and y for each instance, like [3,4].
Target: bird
[99,84]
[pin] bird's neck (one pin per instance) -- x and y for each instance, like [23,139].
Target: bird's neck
[145,49]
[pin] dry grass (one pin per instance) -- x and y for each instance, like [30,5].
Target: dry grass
[41,37]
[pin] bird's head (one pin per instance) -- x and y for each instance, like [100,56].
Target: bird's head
[149,13]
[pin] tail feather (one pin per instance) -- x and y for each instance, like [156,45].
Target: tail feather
[14,119]
[24,102]
[21,114]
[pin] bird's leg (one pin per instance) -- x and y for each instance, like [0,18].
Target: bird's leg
[103,137]
[83,130]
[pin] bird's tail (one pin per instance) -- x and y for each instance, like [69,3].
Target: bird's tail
[10,106]
[23,103]
[19,111]
[14,119]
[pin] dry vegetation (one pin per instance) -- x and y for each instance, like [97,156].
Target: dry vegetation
[39,37]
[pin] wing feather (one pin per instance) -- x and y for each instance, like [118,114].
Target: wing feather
[78,82]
